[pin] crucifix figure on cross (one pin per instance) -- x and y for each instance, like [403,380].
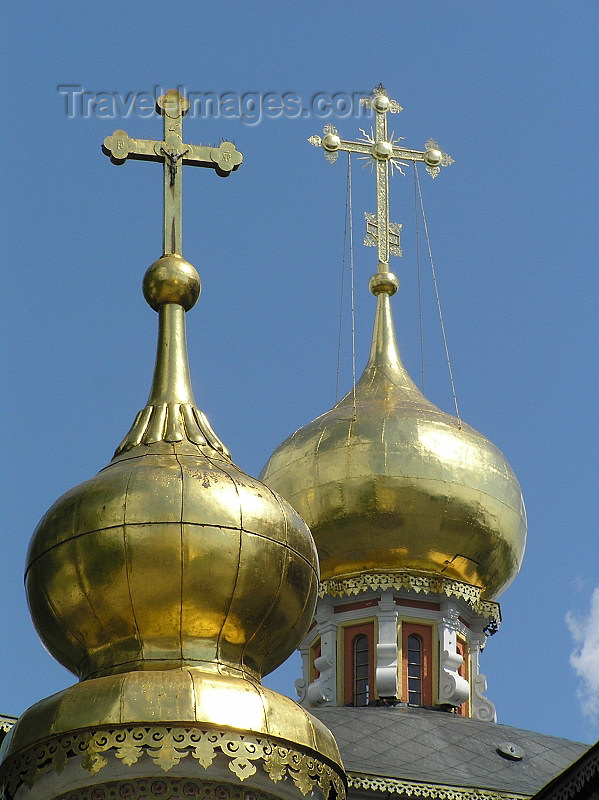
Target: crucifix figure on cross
[382,151]
[173,153]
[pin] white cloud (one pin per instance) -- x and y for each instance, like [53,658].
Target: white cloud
[585,656]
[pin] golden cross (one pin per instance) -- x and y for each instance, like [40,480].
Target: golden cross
[173,153]
[382,150]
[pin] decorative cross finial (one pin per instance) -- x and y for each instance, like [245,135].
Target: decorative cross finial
[173,153]
[382,150]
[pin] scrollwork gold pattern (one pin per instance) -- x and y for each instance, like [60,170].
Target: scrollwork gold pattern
[150,788]
[167,746]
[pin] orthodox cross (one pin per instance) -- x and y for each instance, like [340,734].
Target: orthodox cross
[173,153]
[382,150]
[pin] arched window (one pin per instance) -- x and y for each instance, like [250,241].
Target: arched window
[414,670]
[361,670]
[417,662]
[358,664]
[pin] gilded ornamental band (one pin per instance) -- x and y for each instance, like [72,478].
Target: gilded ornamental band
[171,788]
[166,747]
[425,584]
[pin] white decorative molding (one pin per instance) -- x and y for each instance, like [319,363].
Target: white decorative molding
[301,688]
[453,688]
[323,690]
[301,684]
[320,692]
[482,708]
[455,608]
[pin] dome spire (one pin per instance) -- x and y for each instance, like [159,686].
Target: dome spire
[418,519]
[170,584]
[384,153]
[385,367]
[384,351]
[171,285]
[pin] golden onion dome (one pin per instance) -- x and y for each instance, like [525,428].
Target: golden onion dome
[387,481]
[170,583]
[171,555]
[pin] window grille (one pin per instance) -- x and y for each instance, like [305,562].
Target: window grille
[414,670]
[361,659]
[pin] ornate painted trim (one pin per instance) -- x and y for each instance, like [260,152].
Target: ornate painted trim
[150,788]
[167,746]
[579,777]
[433,790]
[6,724]
[426,584]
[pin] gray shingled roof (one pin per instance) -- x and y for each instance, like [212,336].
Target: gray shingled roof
[416,744]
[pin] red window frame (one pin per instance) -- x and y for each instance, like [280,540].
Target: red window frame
[425,634]
[350,634]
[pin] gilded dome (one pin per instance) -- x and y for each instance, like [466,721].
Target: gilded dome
[171,556]
[170,583]
[152,562]
[387,481]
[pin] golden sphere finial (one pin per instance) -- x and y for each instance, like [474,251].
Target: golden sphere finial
[331,142]
[382,150]
[171,279]
[433,157]
[383,282]
[381,102]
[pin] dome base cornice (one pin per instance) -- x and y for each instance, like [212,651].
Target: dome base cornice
[419,582]
[164,747]
[182,722]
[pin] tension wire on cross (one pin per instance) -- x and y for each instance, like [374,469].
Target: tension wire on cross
[382,151]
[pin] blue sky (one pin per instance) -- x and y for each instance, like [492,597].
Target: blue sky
[508,89]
